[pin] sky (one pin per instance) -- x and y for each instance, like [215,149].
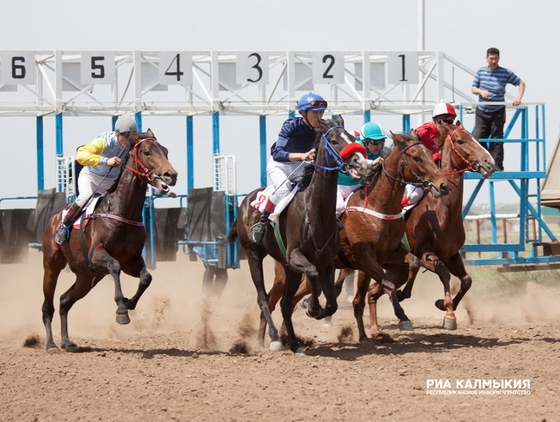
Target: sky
[524,31]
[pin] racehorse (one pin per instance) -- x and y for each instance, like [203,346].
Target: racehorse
[435,229]
[108,241]
[373,227]
[307,229]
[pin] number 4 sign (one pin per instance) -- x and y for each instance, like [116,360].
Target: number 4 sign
[175,68]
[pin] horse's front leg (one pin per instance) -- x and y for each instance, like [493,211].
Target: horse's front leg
[145,279]
[101,258]
[293,281]
[326,279]
[445,304]
[298,263]
[457,268]
[413,268]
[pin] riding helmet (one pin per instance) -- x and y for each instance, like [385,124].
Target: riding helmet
[312,101]
[372,130]
[444,109]
[126,124]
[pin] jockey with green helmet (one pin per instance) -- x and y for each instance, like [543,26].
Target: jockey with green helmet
[372,136]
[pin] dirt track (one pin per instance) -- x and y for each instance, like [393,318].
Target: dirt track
[174,361]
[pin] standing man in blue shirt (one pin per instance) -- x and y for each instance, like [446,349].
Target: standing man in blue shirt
[490,86]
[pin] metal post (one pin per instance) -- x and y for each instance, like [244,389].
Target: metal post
[263,149]
[40,155]
[216,132]
[190,154]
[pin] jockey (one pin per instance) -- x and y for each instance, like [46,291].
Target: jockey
[288,154]
[371,136]
[428,133]
[101,159]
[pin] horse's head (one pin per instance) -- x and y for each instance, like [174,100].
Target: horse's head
[415,164]
[462,151]
[340,147]
[150,162]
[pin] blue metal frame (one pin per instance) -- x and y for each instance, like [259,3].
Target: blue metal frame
[526,183]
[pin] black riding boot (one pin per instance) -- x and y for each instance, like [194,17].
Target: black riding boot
[257,230]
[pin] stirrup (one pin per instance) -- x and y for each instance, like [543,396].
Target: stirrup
[62,235]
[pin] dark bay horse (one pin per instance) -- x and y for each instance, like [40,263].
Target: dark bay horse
[308,229]
[373,227]
[109,242]
[435,229]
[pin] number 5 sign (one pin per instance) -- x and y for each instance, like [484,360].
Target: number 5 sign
[402,68]
[97,68]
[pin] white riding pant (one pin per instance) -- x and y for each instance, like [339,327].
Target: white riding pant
[277,175]
[90,183]
[342,194]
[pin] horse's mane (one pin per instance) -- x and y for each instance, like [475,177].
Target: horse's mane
[443,130]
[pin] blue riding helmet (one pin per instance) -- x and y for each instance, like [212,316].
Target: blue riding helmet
[312,101]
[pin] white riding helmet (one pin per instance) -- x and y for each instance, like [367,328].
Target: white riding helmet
[126,124]
[444,109]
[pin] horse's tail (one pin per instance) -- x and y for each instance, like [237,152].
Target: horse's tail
[232,235]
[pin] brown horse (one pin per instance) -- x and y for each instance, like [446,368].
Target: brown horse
[109,242]
[434,228]
[308,229]
[373,227]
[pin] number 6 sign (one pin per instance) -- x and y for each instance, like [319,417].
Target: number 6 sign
[17,68]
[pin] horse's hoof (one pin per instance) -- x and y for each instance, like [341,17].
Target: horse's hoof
[51,345]
[69,346]
[313,314]
[406,326]
[275,346]
[123,319]
[439,305]
[300,351]
[304,303]
[449,323]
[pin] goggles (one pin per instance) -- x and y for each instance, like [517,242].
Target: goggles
[374,142]
[317,103]
[449,119]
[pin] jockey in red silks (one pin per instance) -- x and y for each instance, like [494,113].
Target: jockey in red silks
[443,112]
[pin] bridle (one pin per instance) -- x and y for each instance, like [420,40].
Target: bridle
[470,165]
[424,183]
[140,169]
[331,152]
